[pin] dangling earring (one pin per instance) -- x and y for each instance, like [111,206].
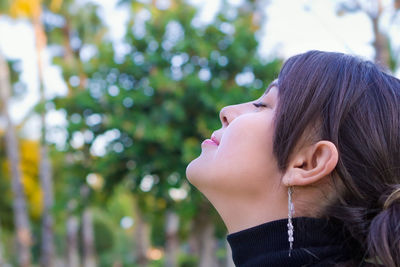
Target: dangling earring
[290,215]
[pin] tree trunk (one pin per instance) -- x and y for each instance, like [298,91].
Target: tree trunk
[205,243]
[47,218]
[89,258]
[229,260]
[45,173]
[72,241]
[2,260]
[70,56]
[21,220]
[172,241]
[142,238]
[208,246]
[68,52]
[381,42]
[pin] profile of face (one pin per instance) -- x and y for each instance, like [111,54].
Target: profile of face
[236,167]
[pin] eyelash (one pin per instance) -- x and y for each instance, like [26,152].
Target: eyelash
[259,104]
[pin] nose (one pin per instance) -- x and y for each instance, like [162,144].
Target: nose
[227,115]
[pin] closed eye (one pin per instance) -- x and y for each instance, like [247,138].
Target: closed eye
[259,104]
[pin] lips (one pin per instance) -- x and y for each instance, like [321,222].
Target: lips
[214,139]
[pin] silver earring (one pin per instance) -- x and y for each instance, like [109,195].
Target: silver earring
[290,215]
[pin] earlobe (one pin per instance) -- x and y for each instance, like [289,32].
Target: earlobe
[311,164]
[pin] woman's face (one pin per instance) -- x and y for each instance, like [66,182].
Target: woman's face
[239,164]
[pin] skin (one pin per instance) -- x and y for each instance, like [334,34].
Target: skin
[240,175]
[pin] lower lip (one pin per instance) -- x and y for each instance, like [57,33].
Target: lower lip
[209,142]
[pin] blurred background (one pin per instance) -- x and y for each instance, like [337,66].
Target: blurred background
[104,103]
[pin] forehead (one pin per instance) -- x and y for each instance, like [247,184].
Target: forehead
[273,84]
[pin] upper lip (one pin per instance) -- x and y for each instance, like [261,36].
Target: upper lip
[213,138]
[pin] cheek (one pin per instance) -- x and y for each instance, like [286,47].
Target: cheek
[246,151]
[243,163]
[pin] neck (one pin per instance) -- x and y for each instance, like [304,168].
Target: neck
[242,213]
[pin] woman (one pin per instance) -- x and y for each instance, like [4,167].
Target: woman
[309,173]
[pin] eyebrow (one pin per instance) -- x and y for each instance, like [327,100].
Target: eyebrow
[274,83]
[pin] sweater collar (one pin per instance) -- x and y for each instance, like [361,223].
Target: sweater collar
[315,241]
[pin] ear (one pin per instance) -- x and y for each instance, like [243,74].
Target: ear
[311,164]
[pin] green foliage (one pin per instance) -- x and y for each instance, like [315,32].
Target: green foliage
[104,236]
[157,103]
[184,260]
[5,6]
[6,213]
[150,106]
[187,260]
[18,87]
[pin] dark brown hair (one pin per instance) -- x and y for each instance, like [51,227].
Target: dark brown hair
[357,107]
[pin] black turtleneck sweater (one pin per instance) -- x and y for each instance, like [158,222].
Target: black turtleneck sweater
[317,242]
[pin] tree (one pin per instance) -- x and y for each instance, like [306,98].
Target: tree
[84,25]
[385,54]
[2,260]
[21,220]
[72,239]
[33,10]
[153,104]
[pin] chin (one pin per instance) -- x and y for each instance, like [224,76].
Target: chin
[199,173]
[193,171]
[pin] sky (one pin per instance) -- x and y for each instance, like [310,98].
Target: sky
[291,27]
[298,26]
